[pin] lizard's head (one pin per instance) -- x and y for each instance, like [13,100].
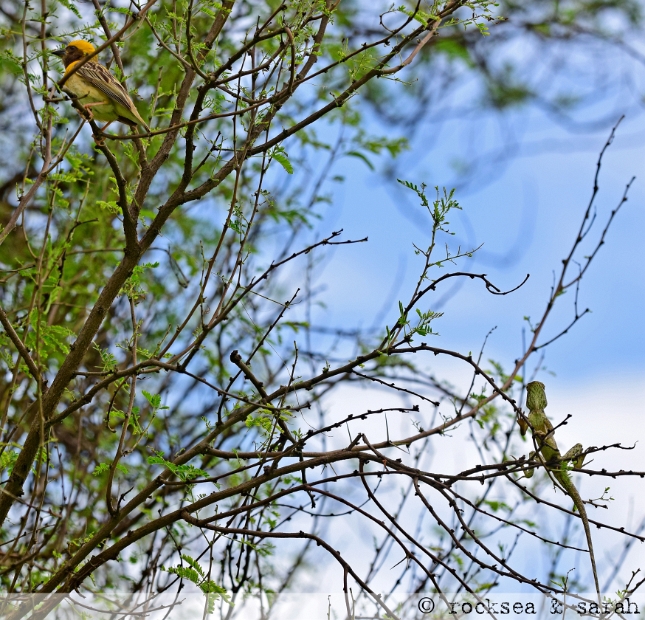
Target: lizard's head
[535,396]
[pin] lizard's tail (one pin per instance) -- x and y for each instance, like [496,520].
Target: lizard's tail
[580,505]
[585,523]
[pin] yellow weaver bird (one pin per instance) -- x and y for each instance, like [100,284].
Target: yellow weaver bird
[97,90]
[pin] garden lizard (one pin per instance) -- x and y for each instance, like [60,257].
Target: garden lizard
[556,464]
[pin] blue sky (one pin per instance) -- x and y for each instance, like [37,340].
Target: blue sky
[526,212]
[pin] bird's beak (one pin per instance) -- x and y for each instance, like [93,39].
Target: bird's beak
[60,52]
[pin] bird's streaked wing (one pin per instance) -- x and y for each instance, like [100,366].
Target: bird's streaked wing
[100,77]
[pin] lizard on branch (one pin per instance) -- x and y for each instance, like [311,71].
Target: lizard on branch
[557,465]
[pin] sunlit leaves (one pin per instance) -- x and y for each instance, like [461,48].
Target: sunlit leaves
[134,286]
[194,573]
[281,156]
[183,472]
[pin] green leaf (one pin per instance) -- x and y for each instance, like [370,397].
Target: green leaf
[284,162]
[183,472]
[100,469]
[10,62]
[70,6]
[362,157]
[153,399]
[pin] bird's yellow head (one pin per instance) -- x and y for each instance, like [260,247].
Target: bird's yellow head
[76,50]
